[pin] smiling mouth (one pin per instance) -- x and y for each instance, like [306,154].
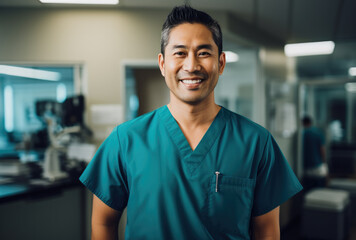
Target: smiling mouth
[191,84]
[191,81]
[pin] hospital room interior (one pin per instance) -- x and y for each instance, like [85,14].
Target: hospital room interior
[70,73]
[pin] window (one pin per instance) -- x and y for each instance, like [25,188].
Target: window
[20,88]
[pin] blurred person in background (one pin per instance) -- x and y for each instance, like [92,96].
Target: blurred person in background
[314,156]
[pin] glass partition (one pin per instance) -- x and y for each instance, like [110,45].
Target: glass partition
[22,87]
[332,107]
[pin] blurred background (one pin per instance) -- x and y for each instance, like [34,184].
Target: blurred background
[69,73]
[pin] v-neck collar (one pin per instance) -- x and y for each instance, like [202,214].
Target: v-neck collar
[190,157]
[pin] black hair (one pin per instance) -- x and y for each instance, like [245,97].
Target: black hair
[187,14]
[306,120]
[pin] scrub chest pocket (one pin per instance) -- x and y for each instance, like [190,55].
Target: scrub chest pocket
[229,204]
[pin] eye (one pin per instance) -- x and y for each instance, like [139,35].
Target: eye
[204,54]
[179,54]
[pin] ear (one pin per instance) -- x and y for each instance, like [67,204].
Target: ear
[222,62]
[161,63]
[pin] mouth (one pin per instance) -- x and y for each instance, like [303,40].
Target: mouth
[191,83]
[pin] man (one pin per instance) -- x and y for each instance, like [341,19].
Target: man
[191,169]
[314,155]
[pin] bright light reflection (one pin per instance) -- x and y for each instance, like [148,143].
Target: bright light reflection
[308,49]
[29,73]
[352,71]
[350,87]
[9,108]
[101,2]
[231,57]
[61,93]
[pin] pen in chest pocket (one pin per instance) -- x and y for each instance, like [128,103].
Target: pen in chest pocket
[216,180]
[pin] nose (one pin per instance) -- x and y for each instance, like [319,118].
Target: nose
[191,63]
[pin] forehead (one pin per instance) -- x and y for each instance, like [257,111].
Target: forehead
[190,34]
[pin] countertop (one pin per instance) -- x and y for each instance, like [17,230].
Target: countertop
[11,190]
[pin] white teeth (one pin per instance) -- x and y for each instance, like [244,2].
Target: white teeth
[191,81]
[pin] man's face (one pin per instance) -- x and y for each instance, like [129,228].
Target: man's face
[191,64]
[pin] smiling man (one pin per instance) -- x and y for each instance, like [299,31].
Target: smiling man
[191,169]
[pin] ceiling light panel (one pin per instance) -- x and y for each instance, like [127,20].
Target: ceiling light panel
[94,2]
[231,56]
[30,73]
[352,71]
[309,49]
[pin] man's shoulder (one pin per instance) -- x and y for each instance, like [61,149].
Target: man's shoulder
[245,124]
[139,123]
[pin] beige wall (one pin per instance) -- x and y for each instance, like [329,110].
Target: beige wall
[101,39]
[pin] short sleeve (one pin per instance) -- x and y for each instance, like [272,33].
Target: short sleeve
[276,181]
[105,175]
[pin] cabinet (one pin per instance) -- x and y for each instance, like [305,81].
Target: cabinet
[55,215]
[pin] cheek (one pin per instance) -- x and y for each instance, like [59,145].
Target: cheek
[213,68]
[171,66]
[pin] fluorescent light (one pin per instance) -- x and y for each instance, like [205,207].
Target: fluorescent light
[352,71]
[9,108]
[350,87]
[29,73]
[308,49]
[101,2]
[231,56]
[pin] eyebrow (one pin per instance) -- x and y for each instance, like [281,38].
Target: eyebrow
[203,46]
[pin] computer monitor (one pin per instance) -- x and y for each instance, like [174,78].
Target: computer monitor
[72,111]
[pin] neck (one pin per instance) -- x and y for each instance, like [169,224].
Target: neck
[192,115]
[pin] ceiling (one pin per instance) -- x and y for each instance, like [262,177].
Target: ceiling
[288,21]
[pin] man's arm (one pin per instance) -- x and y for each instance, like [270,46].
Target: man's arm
[104,221]
[266,226]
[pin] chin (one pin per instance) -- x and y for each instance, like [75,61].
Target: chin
[192,101]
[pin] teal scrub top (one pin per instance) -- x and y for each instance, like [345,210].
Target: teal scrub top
[173,192]
[313,141]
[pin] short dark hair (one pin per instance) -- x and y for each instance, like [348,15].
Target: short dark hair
[187,14]
[306,120]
